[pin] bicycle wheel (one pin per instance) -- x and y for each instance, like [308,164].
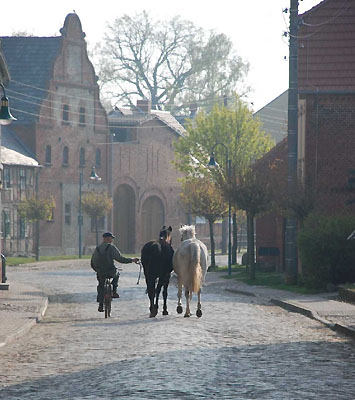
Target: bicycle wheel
[108,298]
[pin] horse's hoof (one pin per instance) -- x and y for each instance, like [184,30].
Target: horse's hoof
[179,309]
[165,312]
[152,315]
[199,313]
[187,315]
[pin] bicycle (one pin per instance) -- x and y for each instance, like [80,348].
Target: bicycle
[108,290]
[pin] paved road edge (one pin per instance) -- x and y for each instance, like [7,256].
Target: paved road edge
[313,315]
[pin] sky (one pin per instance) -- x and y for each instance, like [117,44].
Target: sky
[255,27]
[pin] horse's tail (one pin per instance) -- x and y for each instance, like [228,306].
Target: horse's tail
[196,269]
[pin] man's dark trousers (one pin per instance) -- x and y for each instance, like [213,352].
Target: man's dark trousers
[100,288]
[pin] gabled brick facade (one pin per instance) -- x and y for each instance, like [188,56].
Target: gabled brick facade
[55,97]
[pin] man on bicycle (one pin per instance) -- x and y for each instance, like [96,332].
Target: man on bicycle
[102,262]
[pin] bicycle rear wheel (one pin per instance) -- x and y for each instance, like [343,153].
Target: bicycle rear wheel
[108,299]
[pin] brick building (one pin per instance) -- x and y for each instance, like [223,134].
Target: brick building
[145,183]
[326,123]
[55,96]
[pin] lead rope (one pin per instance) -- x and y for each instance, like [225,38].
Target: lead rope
[140,270]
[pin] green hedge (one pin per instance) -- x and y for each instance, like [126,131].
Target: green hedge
[326,254]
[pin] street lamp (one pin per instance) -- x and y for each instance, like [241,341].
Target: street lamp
[212,164]
[5,116]
[93,177]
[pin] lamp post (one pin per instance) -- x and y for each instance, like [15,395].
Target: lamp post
[212,164]
[5,116]
[94,177]
[5,119]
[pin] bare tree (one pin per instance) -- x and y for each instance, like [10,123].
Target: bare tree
[170,62]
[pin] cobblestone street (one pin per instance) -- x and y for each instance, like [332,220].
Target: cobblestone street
[241,348]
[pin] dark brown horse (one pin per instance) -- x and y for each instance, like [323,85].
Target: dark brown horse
[157,260]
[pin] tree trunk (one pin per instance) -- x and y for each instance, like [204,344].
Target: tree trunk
[235,240]
[240,238]
[96,232]
[213,258]
[37,240]
[251,254]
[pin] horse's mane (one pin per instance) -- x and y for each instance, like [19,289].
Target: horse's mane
[188,230]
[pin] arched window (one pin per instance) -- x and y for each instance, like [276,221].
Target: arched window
[48,155]
[82,157]
[65,115]
[98,158]
[65,155]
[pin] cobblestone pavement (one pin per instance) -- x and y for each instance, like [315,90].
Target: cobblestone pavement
[242,348]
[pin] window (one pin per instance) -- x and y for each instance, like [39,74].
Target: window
[98,158]
[7,178]
[22,228]
[82,157]
[67,213]
[6,223]
[22,179]
[65,155]
[65,114]
[100,224]
[82,116]
[48,155]
[121,135]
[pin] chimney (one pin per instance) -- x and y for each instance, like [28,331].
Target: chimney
[144,105]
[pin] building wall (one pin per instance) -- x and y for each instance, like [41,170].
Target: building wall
[145,165]
[73,85]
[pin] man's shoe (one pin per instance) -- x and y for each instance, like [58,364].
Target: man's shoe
[101,308]
[115,295]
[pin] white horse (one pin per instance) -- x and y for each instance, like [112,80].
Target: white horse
[190,265]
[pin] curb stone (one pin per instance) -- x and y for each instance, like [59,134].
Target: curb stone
[314,315]
[27,325]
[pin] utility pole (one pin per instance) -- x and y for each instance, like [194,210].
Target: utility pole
[291,223]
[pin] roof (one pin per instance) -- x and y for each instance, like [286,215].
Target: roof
[127,116]
[30,61]
[326,40]
[12,157]
[274,117]
[12,142]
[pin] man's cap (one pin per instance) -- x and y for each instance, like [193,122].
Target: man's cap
[108,234]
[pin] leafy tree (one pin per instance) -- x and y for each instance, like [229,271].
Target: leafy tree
[35,209]
[170,62]
[96,205]
[202,198]
[252,193]
[235,127]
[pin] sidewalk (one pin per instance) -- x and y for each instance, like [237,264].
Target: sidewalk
[324,307]
[21,307]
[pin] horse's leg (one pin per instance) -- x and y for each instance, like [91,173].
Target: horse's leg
[179,306]
[151,295]
[157,294]
[199,311]
[165,295]
[188,297]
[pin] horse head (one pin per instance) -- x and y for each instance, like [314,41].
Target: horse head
[187,232]
[165,234]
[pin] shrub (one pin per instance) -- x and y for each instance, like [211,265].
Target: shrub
[326,254]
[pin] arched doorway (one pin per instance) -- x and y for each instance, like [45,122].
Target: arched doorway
[153,217]
[124,218]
